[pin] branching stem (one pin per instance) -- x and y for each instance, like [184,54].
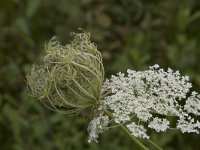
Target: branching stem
[136,141]
[124,129]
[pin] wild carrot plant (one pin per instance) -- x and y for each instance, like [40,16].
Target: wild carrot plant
[70,79]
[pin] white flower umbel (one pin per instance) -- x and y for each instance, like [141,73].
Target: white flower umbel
[193,104]
[137,130]
[188,125]
[143,99]
[96,126]
[159,124]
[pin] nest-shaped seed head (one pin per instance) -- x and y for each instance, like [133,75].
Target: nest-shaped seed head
[70,77]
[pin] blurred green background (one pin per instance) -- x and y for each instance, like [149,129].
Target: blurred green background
[129,33]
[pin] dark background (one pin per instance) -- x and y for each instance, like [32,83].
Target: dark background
[129,33]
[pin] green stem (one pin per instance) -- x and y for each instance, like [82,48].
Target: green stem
[137,142]
[154,144]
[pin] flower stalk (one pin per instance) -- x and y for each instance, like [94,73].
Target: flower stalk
[124,129]
[136,141]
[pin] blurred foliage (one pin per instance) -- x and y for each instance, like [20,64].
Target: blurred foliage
[129,33]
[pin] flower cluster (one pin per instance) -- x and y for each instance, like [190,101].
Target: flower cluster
[96,126]
[137,130]
[159,124]
[144,99]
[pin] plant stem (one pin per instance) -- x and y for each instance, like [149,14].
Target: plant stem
[137,142]
[154,144]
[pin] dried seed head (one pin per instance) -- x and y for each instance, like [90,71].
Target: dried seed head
[70,77]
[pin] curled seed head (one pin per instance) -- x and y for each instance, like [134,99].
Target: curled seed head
[70,76]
